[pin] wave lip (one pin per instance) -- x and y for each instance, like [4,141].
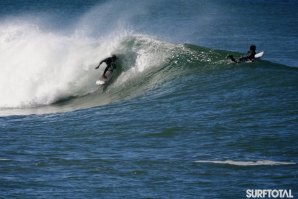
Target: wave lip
[246,163]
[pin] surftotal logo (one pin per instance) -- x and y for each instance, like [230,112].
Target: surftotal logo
[269,193]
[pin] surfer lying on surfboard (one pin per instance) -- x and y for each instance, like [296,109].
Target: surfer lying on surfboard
[250,56]
[111,65]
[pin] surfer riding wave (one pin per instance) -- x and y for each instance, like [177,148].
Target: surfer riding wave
[111,65]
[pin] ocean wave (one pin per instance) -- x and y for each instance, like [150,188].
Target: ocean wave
[40,68]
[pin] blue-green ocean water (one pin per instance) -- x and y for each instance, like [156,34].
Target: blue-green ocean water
[176,121]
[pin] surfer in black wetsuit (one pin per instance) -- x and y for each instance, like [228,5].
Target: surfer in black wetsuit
[250,55]
[111,64]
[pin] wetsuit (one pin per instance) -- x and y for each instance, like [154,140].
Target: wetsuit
[110,65]
[249,56]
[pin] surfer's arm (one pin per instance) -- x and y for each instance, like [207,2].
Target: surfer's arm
[100,63]
[231,57]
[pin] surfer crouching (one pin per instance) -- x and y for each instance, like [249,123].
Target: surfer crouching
[111,64]
[250,55]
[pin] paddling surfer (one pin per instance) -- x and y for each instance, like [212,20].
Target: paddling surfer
[250,55]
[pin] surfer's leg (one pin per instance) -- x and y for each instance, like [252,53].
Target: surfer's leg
[231,57]
[104,73]
[243,59]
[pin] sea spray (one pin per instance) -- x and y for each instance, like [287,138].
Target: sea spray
[39,68]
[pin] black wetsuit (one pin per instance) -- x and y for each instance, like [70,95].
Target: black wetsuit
[111,65]
[250,56]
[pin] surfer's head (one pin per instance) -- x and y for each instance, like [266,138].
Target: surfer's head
[253,48]
[114,57]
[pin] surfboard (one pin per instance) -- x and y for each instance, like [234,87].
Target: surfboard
[259,55]
[102,80]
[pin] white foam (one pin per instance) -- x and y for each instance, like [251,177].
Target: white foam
[39,68]
[247,163]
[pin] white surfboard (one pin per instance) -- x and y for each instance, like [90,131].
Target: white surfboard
[259,55]
[102,80]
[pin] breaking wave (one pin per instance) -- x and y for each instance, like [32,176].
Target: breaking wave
[41,68]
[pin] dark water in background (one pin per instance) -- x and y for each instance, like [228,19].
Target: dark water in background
[177,121]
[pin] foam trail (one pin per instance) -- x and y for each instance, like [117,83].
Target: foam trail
[247,163]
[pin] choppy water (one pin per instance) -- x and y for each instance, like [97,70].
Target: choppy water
[176,121]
